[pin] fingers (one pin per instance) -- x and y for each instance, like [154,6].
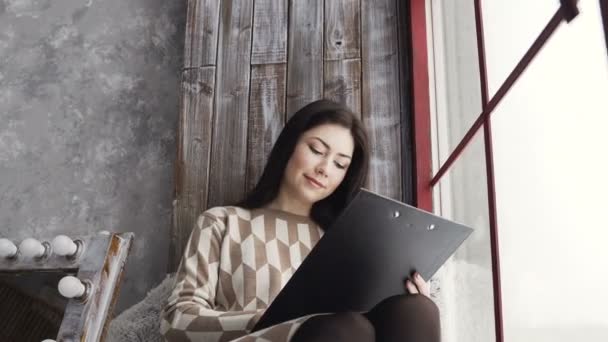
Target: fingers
[417,285]
[411,288]
[423,286]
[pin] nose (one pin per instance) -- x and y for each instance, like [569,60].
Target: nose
[321,168]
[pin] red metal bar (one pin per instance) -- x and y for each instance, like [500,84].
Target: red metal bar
[569,9]
[422,113]
[481,53]
[504,88]
[604,11]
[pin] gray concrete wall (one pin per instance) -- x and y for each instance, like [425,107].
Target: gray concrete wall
[88,119]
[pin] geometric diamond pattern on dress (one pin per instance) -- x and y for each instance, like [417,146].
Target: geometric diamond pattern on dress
[235,263]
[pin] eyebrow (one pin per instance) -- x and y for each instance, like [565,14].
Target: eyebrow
[329,148]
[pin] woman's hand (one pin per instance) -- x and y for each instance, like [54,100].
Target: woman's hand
[416,284]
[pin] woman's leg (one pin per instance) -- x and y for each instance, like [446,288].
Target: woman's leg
[406,318]
[345,326]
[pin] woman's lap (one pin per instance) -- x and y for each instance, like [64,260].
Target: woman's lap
[413,318]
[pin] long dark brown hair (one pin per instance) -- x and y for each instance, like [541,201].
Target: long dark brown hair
[325,211]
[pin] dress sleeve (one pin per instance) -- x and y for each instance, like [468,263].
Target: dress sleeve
[190,313]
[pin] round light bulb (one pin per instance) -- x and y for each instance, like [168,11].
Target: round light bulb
[71,287]
[31,248]
[7,248]
[64,246]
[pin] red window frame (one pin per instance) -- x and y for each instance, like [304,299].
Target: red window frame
[424,179]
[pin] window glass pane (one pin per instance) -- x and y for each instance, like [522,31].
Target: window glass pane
[550,139]
[465,294]
[510,28]
[465,297]
[455,83]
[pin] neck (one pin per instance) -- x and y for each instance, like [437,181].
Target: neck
[288,203]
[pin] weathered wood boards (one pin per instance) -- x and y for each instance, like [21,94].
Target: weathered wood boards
[380,95]
[249,65]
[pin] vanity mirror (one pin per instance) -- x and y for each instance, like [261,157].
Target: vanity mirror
[62,289]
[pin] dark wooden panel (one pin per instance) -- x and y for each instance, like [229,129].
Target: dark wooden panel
[201,33]
[405,98]
[269,32]
[193,152]
[380,102]
[342,29]
[229,143]
[343,83]
[305,63]
[266,116]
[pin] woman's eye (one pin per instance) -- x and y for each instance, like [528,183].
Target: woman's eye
[340,166]
[313,150]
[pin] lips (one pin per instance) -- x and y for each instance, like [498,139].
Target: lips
[317,183]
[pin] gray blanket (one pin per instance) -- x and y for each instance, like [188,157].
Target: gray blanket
[141,322]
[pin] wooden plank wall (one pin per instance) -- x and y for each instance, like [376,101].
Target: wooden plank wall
[249,65]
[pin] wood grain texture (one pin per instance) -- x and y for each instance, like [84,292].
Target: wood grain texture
[345,50]
[342,29]
[266,116]
[269,32]
[380,101]
[193,153]
[343,83]
[405,102]
[229,143]
[201,33]
[305,63]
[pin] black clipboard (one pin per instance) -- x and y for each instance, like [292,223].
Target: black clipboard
[365,256]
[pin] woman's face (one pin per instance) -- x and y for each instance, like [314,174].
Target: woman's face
[319,162]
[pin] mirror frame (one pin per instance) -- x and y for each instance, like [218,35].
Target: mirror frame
[99,264]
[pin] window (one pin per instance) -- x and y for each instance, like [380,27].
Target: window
[532,182]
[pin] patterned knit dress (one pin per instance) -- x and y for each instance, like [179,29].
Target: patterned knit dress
[235,263]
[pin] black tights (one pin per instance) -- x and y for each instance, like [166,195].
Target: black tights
[403,318]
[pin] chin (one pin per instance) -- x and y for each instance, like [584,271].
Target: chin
[311,198]
[310,195]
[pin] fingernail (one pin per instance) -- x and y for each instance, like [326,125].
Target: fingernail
[418,276]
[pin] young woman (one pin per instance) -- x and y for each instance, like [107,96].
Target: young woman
[239,257]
